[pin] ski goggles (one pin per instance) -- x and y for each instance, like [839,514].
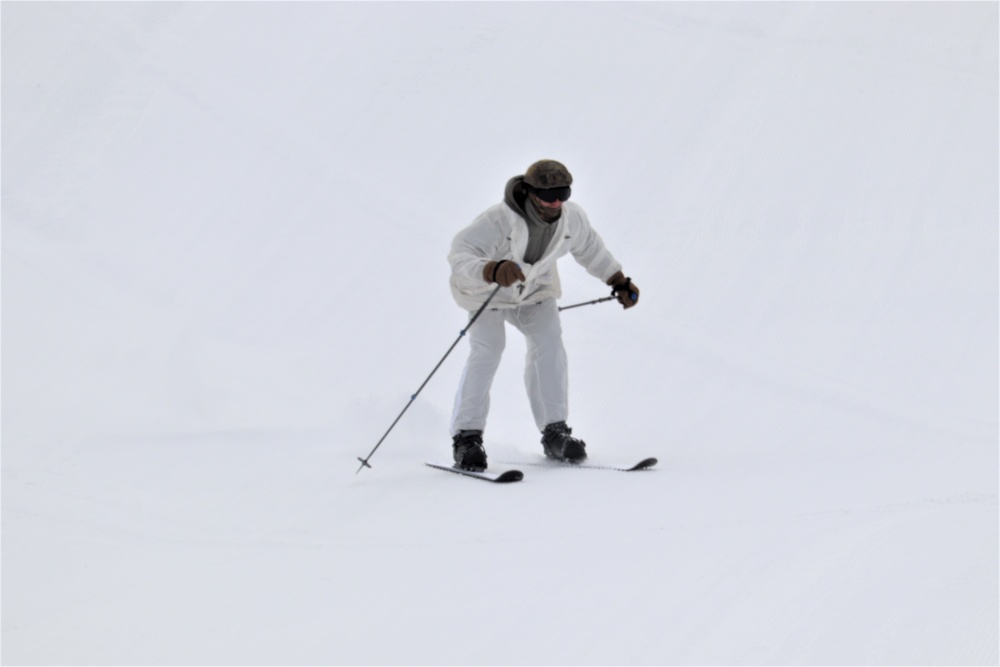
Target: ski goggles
[550,195]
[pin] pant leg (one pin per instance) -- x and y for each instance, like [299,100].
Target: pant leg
[487,338]
[546,372]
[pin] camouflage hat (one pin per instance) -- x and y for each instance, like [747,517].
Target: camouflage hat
[546,174]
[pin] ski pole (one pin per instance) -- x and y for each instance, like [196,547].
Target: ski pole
[588,303]
[632,295]
[364,461]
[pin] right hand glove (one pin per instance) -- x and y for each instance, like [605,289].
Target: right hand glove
[505,273]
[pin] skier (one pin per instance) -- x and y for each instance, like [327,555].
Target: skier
[515,244]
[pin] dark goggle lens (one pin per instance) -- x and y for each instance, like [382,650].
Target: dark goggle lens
[550,195]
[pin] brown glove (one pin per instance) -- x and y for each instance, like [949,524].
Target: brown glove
[505,273]
[624,289]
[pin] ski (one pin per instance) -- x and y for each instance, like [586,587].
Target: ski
[644,464]
[502,477]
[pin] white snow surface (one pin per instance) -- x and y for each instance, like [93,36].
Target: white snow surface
[224,238]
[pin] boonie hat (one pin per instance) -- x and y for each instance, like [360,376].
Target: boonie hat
[546,174]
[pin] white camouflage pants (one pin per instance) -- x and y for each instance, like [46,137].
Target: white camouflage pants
[545,372]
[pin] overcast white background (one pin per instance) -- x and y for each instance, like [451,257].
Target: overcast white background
[224,238]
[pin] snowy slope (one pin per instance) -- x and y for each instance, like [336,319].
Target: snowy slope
[223,275]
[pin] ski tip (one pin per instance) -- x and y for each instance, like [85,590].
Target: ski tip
[510,476]
[644,464]
[489,476]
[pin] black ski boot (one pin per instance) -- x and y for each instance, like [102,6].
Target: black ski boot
[469,451]
[561,445]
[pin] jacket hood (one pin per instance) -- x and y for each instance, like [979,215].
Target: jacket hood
[515,195]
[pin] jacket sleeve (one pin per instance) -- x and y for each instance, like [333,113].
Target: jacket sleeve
[473,247]
[589,251]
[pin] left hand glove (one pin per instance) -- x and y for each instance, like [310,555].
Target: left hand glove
[624,289]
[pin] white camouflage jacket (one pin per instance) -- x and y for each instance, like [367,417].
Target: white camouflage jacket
[501,233]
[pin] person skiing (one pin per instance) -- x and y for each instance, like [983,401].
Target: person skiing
[515,244]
